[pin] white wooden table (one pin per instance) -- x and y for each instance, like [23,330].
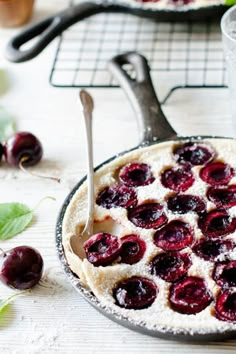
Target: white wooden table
[54,318]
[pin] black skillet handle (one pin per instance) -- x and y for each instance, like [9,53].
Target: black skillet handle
[51,27]
[140,91]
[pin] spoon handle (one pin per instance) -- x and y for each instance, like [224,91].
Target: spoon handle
[87,108]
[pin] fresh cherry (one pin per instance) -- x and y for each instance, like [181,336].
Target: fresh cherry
[102,249]
[147,216]
[117,196]
[217,223]
[193,153]
[132,249]
[178,179]
[189,295]
[22,268]
[217,173]
[225,273]
[222,196]
[135,293]
[23,148]
[136,174]
[211,249]
[170,266]
[185,203]
[174,236]
[226,306]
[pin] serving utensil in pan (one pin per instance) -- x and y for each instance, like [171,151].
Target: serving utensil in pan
[155,129]
[48,29]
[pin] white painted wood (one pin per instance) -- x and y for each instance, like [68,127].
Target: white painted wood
[54,318]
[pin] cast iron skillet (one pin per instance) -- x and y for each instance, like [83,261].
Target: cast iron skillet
[51,27]
[155,129]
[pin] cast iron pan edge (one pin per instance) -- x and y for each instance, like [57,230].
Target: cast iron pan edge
[155,129]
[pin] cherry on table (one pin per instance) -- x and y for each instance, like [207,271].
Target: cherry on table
[225,306]
[170,266]
[178,179]
[136,174]
[189,295]
[22,267]
[148,215]
[132,249]
[135,293]
[23,148]
[117,196]
[194,153]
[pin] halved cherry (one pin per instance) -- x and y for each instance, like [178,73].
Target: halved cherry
[132,249]
[178,179]
[217,173]
[147,216]
[102,249]
[136,174]
[174,236]
[226,306]
[185,203]
[170,266]
[194,153]
[189,295]
[224,273]
[222,196]
[211,249]
[217,223]
[135,293]
[117,196]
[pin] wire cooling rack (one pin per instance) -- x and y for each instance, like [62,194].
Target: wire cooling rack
[181,55]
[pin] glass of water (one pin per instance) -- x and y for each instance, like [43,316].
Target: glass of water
[228,28]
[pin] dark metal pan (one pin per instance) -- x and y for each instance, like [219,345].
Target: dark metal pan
[51,27]
[155,130]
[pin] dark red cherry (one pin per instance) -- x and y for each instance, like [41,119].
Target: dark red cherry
[132,249]
[136,174]
[102,249]
[117,196]
[226,306]
[1,151]
[211,249]
[170,266]
[185,203]
[22,269]
[189,295]
[217,173]
[174,236]
[222,196]
[23,148]
[135,293]
[217,223]
[147,216]
[194,153]
[179,179]
[225,273]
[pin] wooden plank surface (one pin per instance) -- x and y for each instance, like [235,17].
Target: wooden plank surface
[54,318]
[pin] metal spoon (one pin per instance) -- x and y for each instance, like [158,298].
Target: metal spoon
[77,241]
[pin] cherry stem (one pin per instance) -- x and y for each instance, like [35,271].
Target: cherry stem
[22,168]
[48,197]
[3,253]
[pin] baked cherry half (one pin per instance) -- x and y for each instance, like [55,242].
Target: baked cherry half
[217,173]
[174,236]
[194,153]
[222,196]
[224,273]
[136,174]
[117,196]
[178,179]
[189,295]
[185,203]
[132,249]
[211,249]
[102,249]
[147,216]
[226,306]
[135,293]
[217,223]
[170,266]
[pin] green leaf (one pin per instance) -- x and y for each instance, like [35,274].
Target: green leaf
[230,2]
[14,218]
[7,125]
[4,304]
